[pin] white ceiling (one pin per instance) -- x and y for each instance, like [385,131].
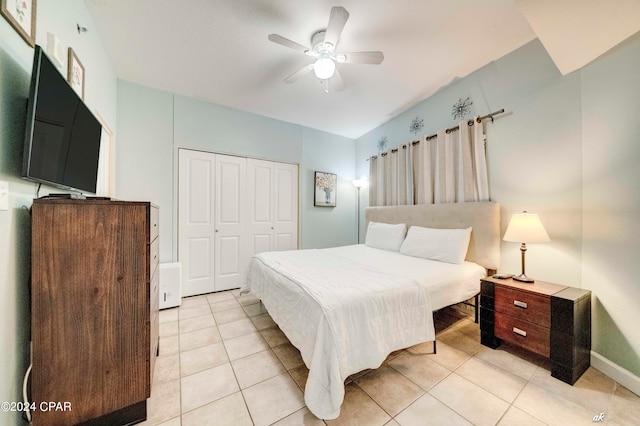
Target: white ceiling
[217,50]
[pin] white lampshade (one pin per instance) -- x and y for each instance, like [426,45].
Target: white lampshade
[526,228]
[324,68]
[360,183]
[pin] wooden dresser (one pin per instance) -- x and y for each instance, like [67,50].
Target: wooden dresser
[94,309]
[548,319]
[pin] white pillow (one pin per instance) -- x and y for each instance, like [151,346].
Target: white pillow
[444,245]
[385,235]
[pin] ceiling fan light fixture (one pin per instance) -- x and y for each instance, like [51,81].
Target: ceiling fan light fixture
[324,68]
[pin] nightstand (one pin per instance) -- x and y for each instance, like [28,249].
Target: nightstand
[548,319]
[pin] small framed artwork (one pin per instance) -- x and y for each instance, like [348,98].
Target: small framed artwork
[75,73]
[21,14]
[325,189]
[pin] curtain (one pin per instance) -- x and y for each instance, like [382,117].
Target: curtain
[448,168]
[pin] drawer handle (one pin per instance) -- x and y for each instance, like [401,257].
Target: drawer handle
[155,224]
[520,304]
[522,333]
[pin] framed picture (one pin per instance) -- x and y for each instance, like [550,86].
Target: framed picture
[21,14]
[75,73]
[325,189]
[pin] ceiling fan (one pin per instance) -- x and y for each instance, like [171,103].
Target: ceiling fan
[324,44]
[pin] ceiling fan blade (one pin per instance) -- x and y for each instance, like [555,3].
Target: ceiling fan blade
[288,43]
[337,19]
[298,74]
[373,58]
[337,83]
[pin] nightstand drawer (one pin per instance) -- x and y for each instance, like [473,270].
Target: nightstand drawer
[522,333]
[526,306]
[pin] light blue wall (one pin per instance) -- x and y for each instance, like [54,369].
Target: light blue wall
[327,226]
[611,201]
[152,125]
[567,149]
[16,57]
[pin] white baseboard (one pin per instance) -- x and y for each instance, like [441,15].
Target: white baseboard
[621,375]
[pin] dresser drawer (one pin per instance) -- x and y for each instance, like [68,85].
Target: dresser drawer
[154,257]
[522,333]
[526,306]
[154,222]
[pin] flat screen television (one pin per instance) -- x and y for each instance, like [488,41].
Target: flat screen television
[62,136]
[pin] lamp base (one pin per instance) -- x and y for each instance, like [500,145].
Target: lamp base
[523,278]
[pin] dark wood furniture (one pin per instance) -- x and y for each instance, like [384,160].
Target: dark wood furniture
[94,309]
[548,319]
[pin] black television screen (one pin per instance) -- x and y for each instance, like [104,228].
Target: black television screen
[62,136]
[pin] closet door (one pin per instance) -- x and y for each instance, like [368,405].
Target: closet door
[285,217]
[196,201]
[231,233]
[273,206]
[260,199]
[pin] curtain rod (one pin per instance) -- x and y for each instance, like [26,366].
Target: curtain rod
[449,130]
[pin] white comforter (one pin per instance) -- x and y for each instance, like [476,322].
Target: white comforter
[343,314]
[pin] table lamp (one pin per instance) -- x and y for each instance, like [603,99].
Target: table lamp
[525,228]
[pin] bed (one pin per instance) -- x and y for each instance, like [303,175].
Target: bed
[347,308]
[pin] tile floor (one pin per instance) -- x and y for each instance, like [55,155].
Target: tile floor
[223,361]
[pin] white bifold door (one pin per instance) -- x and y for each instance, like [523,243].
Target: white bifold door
[229,209]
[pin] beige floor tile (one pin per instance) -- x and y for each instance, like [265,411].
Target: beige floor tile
[196,323]
[469,400]
[516,417]
[255,309]
[168,329]
[242,346]
[224,305]
[274,336]
[202,358]
[392,422]
[220,296]
[194,311]
[625,406]
[420,369]
[492,378]
[359,409]
[302,417]
[247,299]
[169,345]
[173,422]
[446,355]
[273,399]
[198,338]
[168,315]
[207,386]
[460,340]
[592,391]
[263,321]
[164,403]
[230,410]
[167,369]
[389,389]
[289,355]
[188,302]
[428,410]
[236,328]
[257,368]
[552,409]
[300,375]
[231,315]
[508,361]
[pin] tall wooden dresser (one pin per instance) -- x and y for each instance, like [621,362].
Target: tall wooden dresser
[94,310]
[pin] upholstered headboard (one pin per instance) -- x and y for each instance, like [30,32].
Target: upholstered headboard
[482,217]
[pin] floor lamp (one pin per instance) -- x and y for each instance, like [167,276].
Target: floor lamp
[359,183]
